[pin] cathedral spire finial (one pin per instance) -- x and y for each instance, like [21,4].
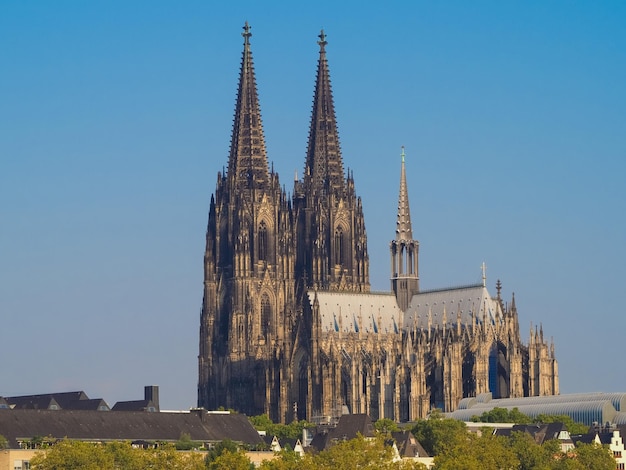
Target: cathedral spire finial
[246,33]
[483,268]
[322,42]
[402,154]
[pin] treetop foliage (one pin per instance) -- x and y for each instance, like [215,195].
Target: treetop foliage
[503,415]
[448,440]
[292,430]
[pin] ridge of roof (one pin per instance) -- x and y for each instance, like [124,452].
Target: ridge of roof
[443,289]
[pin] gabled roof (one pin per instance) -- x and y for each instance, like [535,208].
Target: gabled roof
[541,432]
[605,437]
[94,404]
[585,438]
[351,425]
[17,425]
[348,427]
[408,445]
[45,401]
[134,405]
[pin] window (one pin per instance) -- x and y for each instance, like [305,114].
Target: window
[266,315]
[263,241]
[339,246]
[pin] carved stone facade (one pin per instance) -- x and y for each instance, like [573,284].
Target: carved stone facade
[289,326]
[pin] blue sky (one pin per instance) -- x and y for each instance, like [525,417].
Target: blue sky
[115,118]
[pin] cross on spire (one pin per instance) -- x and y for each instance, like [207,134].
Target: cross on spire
[246,33]
[322,42]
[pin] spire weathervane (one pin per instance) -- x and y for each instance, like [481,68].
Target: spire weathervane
[246,33]
[322,42]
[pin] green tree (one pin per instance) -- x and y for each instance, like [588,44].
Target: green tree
[366,454]
[594,457]
[532,456]
[502,415]
[4,443]
[73,455]
[126,457]
[168,458]
[292,430]
[287,460]
[232,461]
[485,452]
[185,443]
[386,426]
[438,434]
[219,449]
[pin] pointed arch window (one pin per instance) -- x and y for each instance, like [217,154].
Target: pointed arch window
[263,244]
[266,315]
[339,252]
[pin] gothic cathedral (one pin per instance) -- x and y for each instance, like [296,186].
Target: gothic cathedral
[289,326]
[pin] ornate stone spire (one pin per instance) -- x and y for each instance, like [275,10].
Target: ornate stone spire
[324,166]
[247,164]
[404,250]
[403,224]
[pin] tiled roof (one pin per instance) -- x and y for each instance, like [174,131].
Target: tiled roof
[464,300]
[584,438]
[347,428]
[379,312]
[55,401]
[408,445]
[128,426]
[540,432]
[353,313]
[134,405]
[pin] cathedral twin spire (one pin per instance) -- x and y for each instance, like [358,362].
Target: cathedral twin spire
[331,242]
[324,166]
[247,163]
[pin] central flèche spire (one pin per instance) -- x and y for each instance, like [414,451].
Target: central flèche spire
[403,224]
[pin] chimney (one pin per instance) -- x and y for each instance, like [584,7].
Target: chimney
[151,393]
